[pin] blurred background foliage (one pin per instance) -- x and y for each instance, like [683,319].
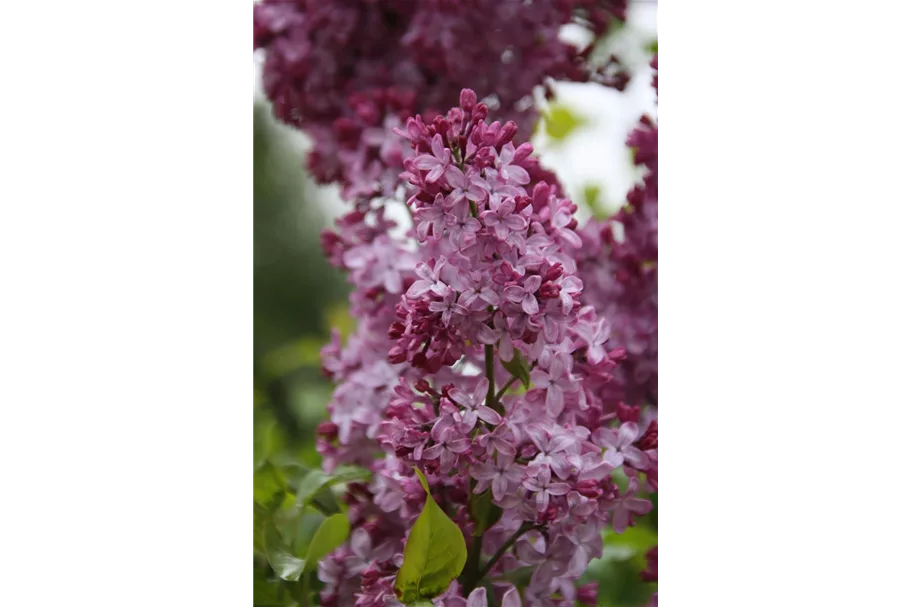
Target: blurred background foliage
[298,298]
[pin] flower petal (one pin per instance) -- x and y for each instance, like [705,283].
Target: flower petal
[489,415]
[477,598]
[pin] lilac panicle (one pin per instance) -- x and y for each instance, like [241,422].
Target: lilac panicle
[488,273]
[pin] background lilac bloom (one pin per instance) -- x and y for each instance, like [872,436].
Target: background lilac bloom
[347,72]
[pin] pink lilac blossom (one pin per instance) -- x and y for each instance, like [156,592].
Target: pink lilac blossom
[421,382]
[618,263]
[348,71]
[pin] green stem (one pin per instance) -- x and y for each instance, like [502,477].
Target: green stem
[470,577]
[526,526]
[492,400]
[489,371]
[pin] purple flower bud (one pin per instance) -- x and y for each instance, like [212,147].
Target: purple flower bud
[467,99]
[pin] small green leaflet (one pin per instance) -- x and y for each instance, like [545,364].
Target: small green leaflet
[435,554]
[518,366]
[330,535]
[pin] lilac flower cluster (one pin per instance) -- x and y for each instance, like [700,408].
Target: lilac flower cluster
[479,359]
[348,71]
[619,265]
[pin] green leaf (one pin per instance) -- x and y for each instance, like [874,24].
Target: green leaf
[483,512]
[264,443]
[310,485]
[260,522]
[518,366]
[330,535]
[317,480]
[423,480]
[286,565]
[268,486]
[560,121]
[435,554]
[306,527]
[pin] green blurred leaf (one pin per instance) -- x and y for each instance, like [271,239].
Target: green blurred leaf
[640,538]
[620,584]
[269,486]
[483,512]
[560,121]
[296,355]
[259,398]
[266,593]
[260,522]
[283,563]
[592,196]
[317,480]
[264,440]
[331,534]
[337,317]
[592,193]
[307,524]
[435,554]
[518,366]
[310,484]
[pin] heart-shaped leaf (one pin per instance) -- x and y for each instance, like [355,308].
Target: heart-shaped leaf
[435,554]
